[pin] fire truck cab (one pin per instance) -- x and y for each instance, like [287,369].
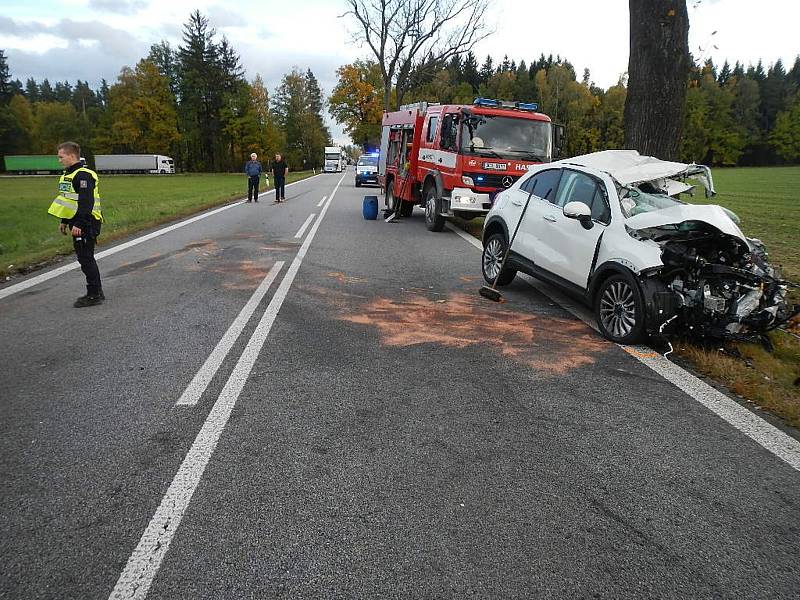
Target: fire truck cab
[453,159]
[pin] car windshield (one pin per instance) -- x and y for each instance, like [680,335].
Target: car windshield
[333,156]
[633,201]
[506,137]
[368,161]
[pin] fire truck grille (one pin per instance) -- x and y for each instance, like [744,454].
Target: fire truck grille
[492,180]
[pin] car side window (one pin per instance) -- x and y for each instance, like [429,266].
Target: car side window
[432,129]
[580,187]
[544,184]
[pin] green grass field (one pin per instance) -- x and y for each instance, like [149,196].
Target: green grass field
[767,200]
[28,235]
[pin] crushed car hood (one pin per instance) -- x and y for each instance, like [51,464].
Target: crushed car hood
[629,167]
[711,214]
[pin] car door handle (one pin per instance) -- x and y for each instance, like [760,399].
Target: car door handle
[551,218]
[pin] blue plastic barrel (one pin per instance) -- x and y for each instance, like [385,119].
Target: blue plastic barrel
[370,208]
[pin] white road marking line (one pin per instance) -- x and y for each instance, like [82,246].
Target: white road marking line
[191,395]
[321,202]
[757,429]
[144,562]
[28,283]
[305,225]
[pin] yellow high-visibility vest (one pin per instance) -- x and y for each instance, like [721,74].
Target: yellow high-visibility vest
[65,205]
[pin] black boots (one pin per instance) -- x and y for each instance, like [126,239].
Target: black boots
[90,299]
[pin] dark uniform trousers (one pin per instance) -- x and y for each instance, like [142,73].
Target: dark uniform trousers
[84,251]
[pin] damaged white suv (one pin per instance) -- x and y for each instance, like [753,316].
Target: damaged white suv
[607,227]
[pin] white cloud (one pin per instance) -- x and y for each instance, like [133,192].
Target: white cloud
[122,7]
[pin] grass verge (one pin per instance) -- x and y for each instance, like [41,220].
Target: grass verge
[765,199]
[30,237]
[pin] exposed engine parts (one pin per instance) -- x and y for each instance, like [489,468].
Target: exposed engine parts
[716,285]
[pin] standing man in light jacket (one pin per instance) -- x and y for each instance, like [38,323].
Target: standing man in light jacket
[253,170]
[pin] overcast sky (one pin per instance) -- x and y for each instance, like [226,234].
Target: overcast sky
[93,39]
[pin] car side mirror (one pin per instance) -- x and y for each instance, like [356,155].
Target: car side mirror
[580,212]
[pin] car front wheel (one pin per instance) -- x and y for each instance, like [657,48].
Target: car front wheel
[492,258]
[619,309]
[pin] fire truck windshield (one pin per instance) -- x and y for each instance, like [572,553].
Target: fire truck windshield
[506,137]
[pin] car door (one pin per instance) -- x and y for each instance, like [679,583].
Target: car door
[541,188]
[563,246]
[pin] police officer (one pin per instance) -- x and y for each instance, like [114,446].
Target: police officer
[78,205]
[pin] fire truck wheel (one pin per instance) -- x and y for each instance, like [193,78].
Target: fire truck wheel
[434,221]
[406,208]
[391,201]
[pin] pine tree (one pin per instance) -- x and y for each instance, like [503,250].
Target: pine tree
[487,70]
[6,89]
[470,71]
[63,92]
[103,93]
[725,74]
[199,92]
[46,92]
[32,90]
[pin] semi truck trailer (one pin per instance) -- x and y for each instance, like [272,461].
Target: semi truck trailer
[33,164]
[134,163]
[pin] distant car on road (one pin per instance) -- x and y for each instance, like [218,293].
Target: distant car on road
[367,170]
[606,227]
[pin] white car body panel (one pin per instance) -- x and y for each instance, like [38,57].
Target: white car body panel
[712,214]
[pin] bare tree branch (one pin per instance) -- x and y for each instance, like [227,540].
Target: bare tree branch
[408,36]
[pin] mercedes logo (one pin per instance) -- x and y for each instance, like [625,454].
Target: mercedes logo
[507,181]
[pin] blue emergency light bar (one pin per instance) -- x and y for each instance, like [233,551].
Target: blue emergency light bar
[491,103]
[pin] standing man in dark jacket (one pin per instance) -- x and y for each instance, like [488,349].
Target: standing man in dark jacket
[253,170]
[78,205]
[279,170]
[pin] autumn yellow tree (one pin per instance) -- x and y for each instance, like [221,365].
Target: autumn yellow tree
[144,117]
[357,101]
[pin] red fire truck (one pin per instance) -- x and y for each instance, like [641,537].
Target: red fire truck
[453,159]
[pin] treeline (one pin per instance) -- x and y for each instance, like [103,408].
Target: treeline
[733,116]
[192,102]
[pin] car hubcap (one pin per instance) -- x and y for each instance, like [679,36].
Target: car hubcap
[430,209]
[618,309]
[492,256]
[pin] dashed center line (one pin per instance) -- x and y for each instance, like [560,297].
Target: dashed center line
[321,202]
[304,226]
[136,578]
[191,395]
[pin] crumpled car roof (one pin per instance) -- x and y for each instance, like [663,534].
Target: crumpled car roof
[629,167]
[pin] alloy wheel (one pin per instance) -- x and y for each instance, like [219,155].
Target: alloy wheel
[492,257]
[618,309]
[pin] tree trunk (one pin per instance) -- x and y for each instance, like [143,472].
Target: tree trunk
[658,70]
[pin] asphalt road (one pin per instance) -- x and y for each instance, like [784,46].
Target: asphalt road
[395,436]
